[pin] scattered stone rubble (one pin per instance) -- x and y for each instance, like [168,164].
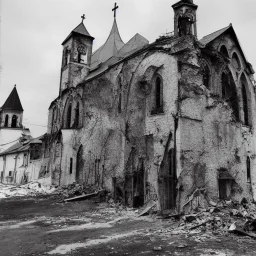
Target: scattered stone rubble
[219,219]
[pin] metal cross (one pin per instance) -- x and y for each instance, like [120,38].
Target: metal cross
[114,9]
[83,17]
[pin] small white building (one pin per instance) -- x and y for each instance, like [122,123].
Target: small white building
[21,162]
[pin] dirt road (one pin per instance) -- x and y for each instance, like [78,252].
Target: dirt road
[47,226]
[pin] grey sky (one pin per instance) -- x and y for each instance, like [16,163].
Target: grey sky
[32,32]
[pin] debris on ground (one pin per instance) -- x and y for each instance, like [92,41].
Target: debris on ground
[32,188]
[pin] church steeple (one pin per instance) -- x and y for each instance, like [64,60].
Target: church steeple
[185,22]
[11,112]
[113,44]
[76,57]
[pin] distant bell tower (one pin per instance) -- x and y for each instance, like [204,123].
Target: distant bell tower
[11,112]
[185,22]
[76,57]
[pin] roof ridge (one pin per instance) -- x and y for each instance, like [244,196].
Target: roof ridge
[230,25]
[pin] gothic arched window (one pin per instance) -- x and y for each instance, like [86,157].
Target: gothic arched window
[205,71]
[120,99]
[69,115]
[77,116]
[224,51]
[246,101]
[229,92]
[14,121]
[6,121]
[158,93]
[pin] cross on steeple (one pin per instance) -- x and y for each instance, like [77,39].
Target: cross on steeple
[114,9]
[83,17]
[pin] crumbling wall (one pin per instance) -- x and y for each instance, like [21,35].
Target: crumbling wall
[209,136]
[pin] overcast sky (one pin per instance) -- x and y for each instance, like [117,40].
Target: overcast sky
[32,32]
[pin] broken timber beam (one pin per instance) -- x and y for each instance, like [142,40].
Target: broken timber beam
[83,197]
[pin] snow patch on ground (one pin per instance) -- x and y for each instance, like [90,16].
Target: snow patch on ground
[91,225]
[18,224]
[67,248]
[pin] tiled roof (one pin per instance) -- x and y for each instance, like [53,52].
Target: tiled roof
[13,101]
[207,39]
[80,29]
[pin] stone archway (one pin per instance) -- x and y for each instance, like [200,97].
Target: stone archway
[79,165]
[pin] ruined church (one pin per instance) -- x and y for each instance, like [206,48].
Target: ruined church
[170,121]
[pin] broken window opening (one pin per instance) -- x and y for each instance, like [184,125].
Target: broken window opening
[248,168]
[14,121]
[79,165]
[185,26]
[71,165]
[69,114]
[229,93]
[236,62]
[6,122]
[224,51]
[225,181]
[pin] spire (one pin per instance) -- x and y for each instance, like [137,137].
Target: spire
[13,101]
[113,44]
[80,29]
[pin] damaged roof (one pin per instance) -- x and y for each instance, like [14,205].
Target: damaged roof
[229,29]
[13,101]
[22,145]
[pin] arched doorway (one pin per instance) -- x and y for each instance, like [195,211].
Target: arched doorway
[79,165]
[14,121]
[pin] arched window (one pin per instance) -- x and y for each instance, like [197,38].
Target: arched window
[6,121]
[229,93]
[245,106]
[66,57]
[205,71]
[236,62]
[76,121]
[69,115]
[248,169]
[246,100]
[224,51]
[14,121]
[158,96]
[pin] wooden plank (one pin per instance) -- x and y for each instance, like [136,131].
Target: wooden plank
[83,197]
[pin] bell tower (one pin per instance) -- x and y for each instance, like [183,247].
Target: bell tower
[185,22]
[76,57]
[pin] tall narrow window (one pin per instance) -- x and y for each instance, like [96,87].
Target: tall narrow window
[245,105]
[66,57]
[6,121]
[206,75]
[229,93]
[71,165]
[69,114]
[14,121]
[76,122]
[248,167]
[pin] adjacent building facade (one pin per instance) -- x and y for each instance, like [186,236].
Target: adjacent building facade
[164,121]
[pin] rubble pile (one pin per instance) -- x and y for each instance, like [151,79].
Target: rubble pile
[32,188]
[219,219]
